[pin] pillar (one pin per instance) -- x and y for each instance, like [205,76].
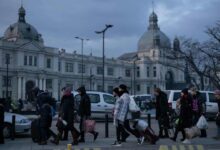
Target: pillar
[44,84]
[24,88]
[40,84]
[36,82]
[19,87]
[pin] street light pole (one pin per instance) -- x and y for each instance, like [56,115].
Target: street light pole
[7,63]
[103,53]
[82,44]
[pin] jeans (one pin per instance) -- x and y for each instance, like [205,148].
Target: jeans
[130,130]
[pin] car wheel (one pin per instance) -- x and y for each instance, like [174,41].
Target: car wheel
[7,130]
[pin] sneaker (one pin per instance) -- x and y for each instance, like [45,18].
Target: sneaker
[141,140]
[186,141]
[116,143]
[95,136]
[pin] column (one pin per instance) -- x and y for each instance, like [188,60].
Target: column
[24,88]
[40,84]
[36,82]
[44,84]
[19,87]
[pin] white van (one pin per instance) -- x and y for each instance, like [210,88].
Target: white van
[100,103]
[208,96]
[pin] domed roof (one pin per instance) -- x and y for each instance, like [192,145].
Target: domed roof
[22,30]
[153,36]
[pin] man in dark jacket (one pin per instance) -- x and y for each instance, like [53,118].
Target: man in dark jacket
[2,102]
[84,112]
[162,110]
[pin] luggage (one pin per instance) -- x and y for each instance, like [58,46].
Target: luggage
[150,135]
[35,130]
[89,125]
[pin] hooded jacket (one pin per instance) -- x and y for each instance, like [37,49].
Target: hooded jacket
[85,103]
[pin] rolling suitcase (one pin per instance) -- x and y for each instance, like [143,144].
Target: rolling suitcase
[35,130]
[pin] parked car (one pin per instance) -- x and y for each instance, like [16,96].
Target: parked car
[208,96]
[100,103]
[146,104]
[22,124]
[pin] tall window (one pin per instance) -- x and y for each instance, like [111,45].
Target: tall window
[110,71]
[48,63]
[5,81]
[30,60]
[69,67]
[138,87]
[35,60]
[25,60]
[148,71]
[128,73]
[138,71]
[99,70]
[49,83]
[7,58]
[148,90]
[155,71]
[81,69]
[59,66]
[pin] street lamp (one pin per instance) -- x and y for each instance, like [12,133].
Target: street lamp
[7,63]
[103,52]
[82,43]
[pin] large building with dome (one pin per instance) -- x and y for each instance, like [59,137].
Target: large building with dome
[32,64]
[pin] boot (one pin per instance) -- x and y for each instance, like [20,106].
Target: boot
[82,138]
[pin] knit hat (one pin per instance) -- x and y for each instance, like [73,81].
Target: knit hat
[185,91]
[217,92]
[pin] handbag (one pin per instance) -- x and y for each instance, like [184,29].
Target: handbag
[202,123]
[89,125]
[133,106]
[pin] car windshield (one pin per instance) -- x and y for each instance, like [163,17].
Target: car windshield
[94,98]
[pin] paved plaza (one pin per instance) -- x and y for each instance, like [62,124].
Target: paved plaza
[24,142]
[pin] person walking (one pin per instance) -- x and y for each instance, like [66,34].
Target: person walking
[2,110]
[67,114]
[185,119]
[198,109]
[45,111]
[84,113]
[121,134]
[217,97]
[162,110]
[124,115]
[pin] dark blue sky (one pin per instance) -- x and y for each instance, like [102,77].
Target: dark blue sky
[59,21]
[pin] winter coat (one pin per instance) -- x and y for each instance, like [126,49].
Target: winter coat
[85,104]
[200,104]
[162,107]
[124,101]
[67,110]
[45,116]
[185,112]
[1,115]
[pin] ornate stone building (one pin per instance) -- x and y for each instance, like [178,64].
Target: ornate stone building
[31,63]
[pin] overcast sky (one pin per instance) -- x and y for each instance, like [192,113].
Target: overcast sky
[59,21]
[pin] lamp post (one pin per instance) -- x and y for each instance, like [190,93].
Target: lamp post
[103,52]
[134,65]
[7,63]
[82,44]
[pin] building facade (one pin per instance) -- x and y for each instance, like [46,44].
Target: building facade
[27,63]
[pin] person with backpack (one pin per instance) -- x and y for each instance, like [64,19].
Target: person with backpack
[84,113]
[124,116]
[121,134]
[67,115]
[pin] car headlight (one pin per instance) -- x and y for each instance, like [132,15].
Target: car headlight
[22,121]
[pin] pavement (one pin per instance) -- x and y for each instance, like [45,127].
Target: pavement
[24,142]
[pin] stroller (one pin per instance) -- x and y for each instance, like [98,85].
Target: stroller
[142,127]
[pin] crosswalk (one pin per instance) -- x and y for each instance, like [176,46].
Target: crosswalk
[80,149]
[182,147]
